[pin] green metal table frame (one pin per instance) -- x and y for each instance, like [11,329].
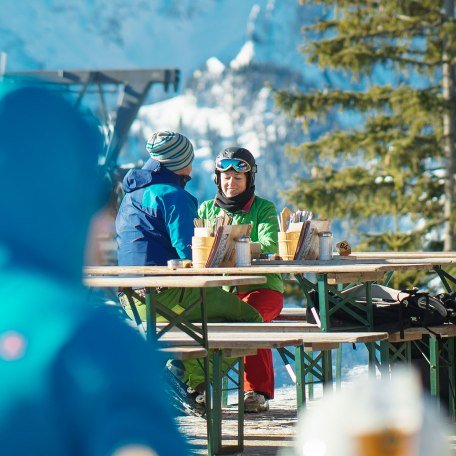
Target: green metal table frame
[331,299]
[310,368]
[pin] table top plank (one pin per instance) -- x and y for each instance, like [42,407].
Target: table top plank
[235,327]
[436,261]
[448,330]
[184,353]
[417,333]
[224,343]
[317,267]
[172,281]
[405,255]
[409,335]
[255,339]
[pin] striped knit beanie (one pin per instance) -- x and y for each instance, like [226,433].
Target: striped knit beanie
[172,150]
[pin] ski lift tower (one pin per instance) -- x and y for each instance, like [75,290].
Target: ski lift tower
[132,87]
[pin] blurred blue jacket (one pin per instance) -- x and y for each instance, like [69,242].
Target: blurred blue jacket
[75,380]
[155,219]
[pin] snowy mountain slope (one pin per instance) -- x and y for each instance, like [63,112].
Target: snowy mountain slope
[55,34]
[227,51]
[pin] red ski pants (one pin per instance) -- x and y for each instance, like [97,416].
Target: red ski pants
[259,369]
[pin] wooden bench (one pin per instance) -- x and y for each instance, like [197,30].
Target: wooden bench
[302,336]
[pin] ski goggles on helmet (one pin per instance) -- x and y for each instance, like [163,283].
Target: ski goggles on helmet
[238,165]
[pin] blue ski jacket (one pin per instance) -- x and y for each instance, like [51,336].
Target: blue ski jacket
[155,219]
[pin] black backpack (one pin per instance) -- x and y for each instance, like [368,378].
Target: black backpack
[449,302]
[416,309]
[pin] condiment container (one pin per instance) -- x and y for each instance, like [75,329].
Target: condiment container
[326,245]
[174,264]
[243,256]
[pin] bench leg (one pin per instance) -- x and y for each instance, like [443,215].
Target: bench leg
[339,367]
[300,376]
[217,387]
[327,369]
[384,358]
[217,374]
[434,358]
[151,316]
[209,407]
[241,405]
[452,376]
[310,379]
[372,359]
[224,391]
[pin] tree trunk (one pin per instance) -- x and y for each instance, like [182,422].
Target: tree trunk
[449,130]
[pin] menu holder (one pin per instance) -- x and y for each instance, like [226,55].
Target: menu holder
[308,245]
[223,251]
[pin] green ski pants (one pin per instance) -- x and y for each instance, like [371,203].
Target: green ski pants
[221,307]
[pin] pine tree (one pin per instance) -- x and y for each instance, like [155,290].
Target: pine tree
[403,147]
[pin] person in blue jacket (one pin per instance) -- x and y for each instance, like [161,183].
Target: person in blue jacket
[155,220]
[75,380]
[155,224]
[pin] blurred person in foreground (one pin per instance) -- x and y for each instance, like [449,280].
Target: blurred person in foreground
[75,380]
[387,416]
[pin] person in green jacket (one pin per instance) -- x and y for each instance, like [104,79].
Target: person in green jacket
[235,170]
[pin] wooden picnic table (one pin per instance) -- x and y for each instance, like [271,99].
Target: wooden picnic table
[328,273]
